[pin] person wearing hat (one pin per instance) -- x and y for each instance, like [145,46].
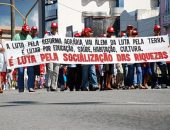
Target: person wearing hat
[74,73]
[2,61]
[138,79]
[52,68]
[162,65]
[109,68]
[89,71]
[24,35]
[34,35]
[129,67]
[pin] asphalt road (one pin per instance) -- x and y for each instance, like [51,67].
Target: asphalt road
[106,110]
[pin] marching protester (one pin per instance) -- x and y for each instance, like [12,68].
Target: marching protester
[89,71]
[109,68]
[128,67]
[161,65]
[2,61]
[137,68]
[24,35]
[88,77]
[34,35]
[74,73]
[52,68]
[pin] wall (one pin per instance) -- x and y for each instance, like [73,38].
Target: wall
[70,12]
[131,5]
[143,20]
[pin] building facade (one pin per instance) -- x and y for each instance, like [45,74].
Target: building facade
[51,13]
[143,16]
[165,16]
[7,32]
[73,16]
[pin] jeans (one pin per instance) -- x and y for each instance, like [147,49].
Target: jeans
[31,77]
[125,74]
[138,80]
[89,71]
[52,75]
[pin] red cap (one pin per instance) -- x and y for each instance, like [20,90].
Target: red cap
[77,35]
[134,32]
[34,28]
[122,34]
[25,28]
[86,30]
[46,32]
[54,25]
[1,31]
[157,28]
[110,29]
[129,27]
[82,33]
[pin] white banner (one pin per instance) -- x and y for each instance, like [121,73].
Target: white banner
[64,50]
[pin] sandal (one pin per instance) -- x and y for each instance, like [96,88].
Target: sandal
[1,90]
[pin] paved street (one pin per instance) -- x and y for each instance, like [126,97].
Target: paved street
[106,110]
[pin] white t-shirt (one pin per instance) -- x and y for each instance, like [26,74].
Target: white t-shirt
[3,65]
[50,34]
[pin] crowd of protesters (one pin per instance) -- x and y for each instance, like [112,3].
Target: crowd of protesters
[77,77]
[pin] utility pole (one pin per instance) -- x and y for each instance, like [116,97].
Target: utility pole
[41,17]
[12,19]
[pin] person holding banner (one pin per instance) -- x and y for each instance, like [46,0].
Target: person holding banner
[74,73]
[2,61]
[129,68]
[89,71]
[34,33]
[24,35]
[129,29]
[161,65]
[52,68]
[109,68]
[137,68]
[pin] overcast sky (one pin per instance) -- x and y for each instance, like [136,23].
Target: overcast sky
[23,6]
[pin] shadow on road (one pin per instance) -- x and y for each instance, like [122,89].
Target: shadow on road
[22,103]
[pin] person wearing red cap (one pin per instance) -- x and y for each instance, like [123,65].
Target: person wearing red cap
[157,30]
[109,68]
[24,35]
[89,70]
[52,68]
[129,30]
[162,65]
[123,34]
[74,73]
[2,63]
[34,32]
[138,79]
[87,32]
[34,35]
[128,68]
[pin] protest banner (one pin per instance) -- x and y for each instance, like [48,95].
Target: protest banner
[64,50]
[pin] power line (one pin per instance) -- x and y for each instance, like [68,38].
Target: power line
[69,7]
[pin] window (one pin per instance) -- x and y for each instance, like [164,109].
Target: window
[167,6]
[51,11]
[119,3]
[154,3]
[98,25]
